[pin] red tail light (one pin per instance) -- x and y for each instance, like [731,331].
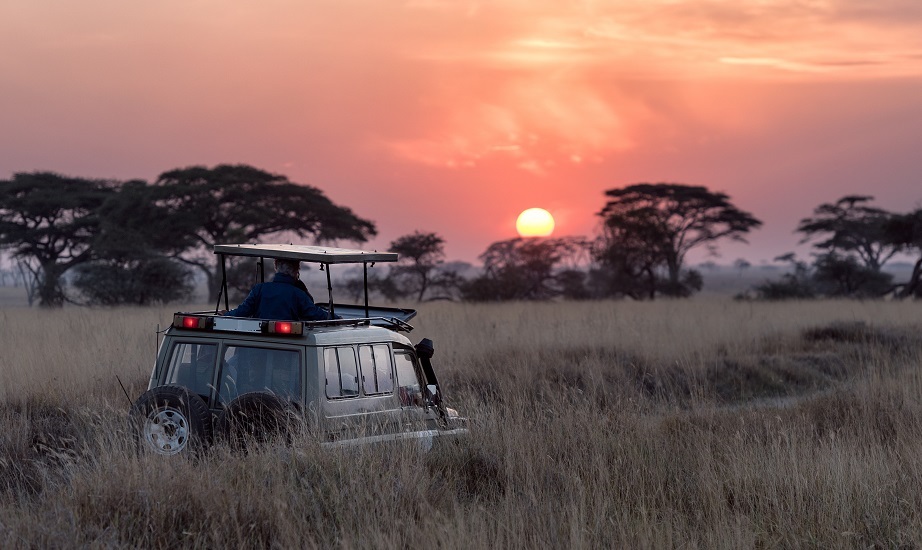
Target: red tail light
[285,327]
[194,322]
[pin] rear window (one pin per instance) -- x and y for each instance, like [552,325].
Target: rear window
[192,365]
[247,369]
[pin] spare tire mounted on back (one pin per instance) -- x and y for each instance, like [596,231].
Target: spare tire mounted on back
[256,416]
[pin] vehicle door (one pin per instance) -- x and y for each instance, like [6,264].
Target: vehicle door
[359,391]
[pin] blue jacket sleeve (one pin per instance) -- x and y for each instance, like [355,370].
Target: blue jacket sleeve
[250,304]
[309,311]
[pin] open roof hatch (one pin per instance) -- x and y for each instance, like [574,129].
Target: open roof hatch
[324,255]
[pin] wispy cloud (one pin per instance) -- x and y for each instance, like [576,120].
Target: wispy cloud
[776,63]
[554,68]
[533,82]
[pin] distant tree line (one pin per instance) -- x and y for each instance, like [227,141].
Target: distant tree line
[646,233]
[852,242]
[113,242]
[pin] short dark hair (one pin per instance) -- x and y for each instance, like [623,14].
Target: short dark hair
[288,267]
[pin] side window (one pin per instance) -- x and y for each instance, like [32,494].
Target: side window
[377,375]
[342,376]
[407,382]
[247,369]
[192,365]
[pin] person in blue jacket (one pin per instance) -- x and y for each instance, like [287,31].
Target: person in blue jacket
[282,298]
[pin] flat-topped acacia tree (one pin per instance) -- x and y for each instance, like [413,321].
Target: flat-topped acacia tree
[421,254]
[850,226]
[905,231]
[50,222]
[242,204]
[668,220]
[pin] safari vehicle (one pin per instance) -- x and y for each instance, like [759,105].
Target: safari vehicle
[355,379]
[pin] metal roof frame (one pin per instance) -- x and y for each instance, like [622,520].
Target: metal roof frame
[324,255]
[304,253]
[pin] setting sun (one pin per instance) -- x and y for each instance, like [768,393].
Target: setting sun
[535,222]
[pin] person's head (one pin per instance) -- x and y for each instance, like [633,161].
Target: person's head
[288,267]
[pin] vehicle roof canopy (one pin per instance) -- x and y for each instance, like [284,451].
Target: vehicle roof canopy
[304,253]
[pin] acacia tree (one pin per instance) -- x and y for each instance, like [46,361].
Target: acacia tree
[49,222]
[850,227]
[905,231]
[627,264]
[670,219]
[523,269]
[420,255]
[132,252]
[241,204]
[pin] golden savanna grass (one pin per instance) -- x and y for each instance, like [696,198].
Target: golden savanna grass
[696,423]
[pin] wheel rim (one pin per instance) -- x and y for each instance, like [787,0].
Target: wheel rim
[166,430]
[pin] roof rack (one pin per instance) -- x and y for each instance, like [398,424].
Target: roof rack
[325,256]
[304,253]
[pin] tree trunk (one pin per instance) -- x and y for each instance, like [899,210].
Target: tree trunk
[213,281]
[651,283]
[675,270]
[50,293]
[913,284]
[423,285]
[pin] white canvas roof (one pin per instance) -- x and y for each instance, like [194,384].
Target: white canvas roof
[317,254]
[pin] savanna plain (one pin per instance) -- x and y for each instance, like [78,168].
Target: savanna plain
[703,423]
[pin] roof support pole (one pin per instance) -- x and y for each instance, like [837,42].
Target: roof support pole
[365,279]
[224,279]
[222,290]
[330,290]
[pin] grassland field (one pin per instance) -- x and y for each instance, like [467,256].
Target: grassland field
[702,423]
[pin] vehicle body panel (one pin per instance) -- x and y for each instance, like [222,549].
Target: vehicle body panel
[349,419]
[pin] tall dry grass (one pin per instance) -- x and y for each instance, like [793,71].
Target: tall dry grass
[693,424]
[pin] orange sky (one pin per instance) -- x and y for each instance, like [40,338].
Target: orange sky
[453,116]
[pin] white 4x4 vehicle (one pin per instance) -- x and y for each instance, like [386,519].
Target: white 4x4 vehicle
[352,380]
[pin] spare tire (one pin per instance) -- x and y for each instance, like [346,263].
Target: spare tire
[256,417]
[170,420]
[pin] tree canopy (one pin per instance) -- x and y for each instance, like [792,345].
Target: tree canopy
[905,231]
[850,226]
[239,203]
[420,255]
[132,252]
[50,221]
[648,227]
[117,231]
[523,269]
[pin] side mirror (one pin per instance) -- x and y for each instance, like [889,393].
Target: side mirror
[425,349]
